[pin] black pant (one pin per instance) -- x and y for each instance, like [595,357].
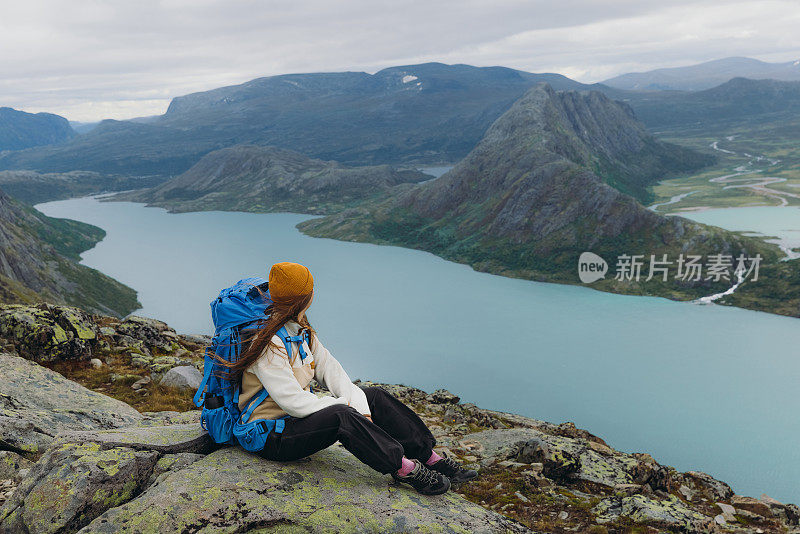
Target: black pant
[396,432]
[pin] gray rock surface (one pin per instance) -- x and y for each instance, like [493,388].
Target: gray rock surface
[11,463]
[177,438]
[518,443]
[233,491]
[153,333]
[183,377]
[645,509]
[74,483]
[37,403]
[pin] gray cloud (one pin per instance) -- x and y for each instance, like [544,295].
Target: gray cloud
[116,59]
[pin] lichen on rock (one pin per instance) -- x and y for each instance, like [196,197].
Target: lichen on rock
[74,483]
[234,491]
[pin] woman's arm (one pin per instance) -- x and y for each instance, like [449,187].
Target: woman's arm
[332,375]
[275,374]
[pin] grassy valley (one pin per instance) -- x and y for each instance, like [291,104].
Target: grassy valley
[761,151]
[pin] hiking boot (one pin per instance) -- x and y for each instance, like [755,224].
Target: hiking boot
[424,480]
[453,470]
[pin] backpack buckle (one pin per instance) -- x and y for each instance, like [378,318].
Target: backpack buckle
[261,423]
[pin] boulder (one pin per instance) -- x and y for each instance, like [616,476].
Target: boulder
[11,464]
[728,512]
[45,333]
[751,505]
[703,483]
[160,365]
[556,464]
[442,396]
[195,340]
[501,444]
[657,476]
[788,513]
[640,508]
[142,382]
[183,377]
[74,483]
[151,332]
[231,490]
[37,403]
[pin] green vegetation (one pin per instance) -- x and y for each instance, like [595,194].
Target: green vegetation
[768,147]
[47,251]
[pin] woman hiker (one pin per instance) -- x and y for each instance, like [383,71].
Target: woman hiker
[374,426]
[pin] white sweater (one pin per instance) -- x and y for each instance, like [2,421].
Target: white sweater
[275,374]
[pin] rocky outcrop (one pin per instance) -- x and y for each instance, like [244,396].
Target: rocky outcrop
[157,479]
[47,333]
[76,459]
[36,404]
[258,178]
[333,492]
[74,483]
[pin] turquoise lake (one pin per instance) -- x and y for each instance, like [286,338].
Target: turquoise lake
[781,225]
[700,387]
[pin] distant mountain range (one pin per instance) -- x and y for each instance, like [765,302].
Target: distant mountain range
[418,113]
[39,261]
[19,129]
[267,179]
[544,185]
[739,100]
[705,75]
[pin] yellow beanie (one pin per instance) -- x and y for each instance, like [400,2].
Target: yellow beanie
[289,280]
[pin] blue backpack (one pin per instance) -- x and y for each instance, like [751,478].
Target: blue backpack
[237,308]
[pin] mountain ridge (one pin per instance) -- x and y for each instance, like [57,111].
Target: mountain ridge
[266,179]
[20,130]
[355,118]
[705,75]
[531,197]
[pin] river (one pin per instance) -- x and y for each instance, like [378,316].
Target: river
[706,388]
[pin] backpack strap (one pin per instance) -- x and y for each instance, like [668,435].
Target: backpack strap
[253,404]
[200,395]
[298,339]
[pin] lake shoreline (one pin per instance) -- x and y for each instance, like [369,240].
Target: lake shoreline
[159,253]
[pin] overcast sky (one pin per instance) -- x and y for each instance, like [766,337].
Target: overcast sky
[92,59]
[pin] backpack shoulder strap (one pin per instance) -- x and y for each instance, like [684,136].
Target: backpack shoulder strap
[200,395]
[298,339]
[287,342]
